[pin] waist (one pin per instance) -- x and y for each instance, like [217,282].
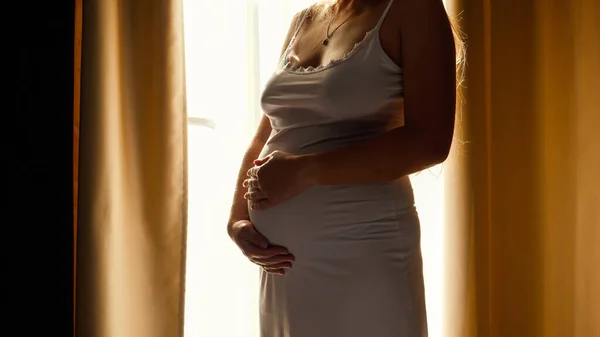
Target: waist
[302,139]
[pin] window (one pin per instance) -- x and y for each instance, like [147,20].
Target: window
[232,47]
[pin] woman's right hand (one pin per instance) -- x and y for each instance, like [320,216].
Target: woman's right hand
[256,247]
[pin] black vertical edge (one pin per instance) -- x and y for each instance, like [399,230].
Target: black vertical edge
[36,169]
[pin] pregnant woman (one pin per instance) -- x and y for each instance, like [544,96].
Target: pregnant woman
[363,97]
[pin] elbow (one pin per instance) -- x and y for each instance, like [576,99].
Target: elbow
[440,154]
[438,148]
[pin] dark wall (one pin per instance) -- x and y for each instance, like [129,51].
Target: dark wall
[36,172]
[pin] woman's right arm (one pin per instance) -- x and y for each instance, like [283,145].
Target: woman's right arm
[255,246]
[239,208]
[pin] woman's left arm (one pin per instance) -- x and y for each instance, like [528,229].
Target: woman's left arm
[429,68]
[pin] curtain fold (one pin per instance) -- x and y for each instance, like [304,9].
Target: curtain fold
[522,222]
[132,204]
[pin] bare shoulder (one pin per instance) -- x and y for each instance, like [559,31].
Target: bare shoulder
[295,22]
[412,5]
[411,21]
[412,25]
[406,13]
[425,29]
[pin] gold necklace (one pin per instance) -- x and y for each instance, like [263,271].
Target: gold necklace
[328,35]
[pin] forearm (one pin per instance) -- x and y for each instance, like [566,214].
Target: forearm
[239,207]
[391,155]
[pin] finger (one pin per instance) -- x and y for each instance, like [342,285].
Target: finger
[253,171]
[251,183]
[275,271]
[260,161]
[256,253]
[254,184]
[255,195]
[283,265]
[273,260]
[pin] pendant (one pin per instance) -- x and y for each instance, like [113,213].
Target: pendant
[325,42]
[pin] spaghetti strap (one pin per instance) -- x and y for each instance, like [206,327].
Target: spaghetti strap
[385,12]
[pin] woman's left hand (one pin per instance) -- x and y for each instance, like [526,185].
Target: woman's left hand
[276,178]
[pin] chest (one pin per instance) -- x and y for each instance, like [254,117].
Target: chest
[356,88]
[342,35]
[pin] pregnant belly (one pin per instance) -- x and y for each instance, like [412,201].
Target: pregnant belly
[343,220]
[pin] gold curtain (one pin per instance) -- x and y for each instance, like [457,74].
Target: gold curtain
[523,191]
[132,170]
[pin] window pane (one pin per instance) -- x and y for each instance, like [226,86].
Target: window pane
[428,187]
[220,282]
[216,57]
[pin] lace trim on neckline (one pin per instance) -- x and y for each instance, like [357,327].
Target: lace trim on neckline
[288,66]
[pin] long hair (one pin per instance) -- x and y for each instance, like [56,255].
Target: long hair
[460,46]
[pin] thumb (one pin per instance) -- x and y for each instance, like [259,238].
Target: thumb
[256,238]
[260,161]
